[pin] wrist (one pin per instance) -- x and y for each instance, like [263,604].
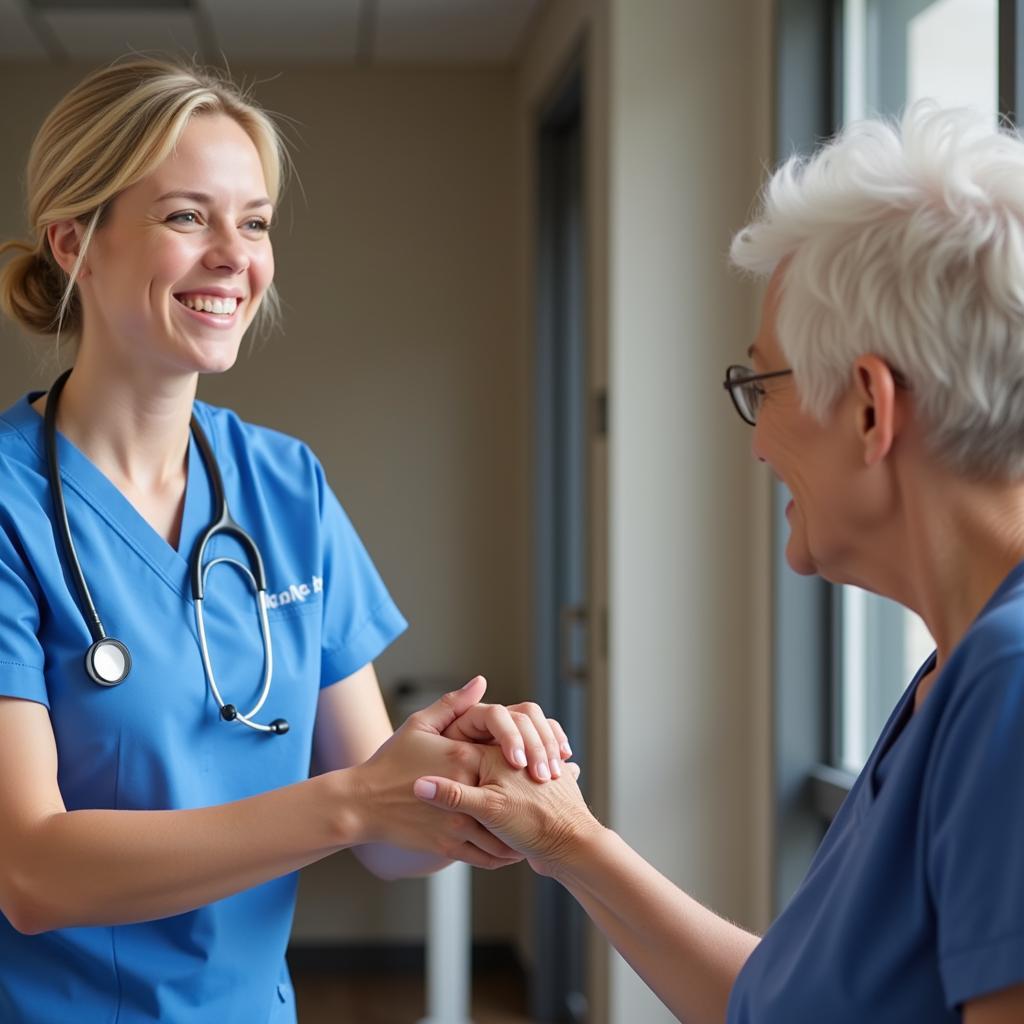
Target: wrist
[575,849]
[345,798]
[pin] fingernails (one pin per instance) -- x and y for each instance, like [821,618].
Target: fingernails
[425,789]
[470,683]
[519,756]
[566,750]
[556,768]
[542,770]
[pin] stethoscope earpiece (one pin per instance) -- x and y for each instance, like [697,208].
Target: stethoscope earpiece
[230,714]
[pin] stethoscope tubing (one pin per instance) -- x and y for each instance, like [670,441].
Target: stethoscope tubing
[92,617]
[198,572]
[204,650]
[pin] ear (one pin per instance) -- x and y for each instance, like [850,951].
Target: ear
[876,407]
[65,238]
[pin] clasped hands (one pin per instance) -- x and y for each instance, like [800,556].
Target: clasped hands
[481,783]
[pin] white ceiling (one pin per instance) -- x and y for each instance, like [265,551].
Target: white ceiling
[372,31]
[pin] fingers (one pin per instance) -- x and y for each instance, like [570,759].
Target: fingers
[562,739]
[476,857]
[478,847]
[453,795]
[546,765]
[536,750]
[439,715]
[486,723]
[525,736]
[476,835]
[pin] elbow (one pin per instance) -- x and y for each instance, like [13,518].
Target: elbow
[27,923]
[25,911]
[25,915]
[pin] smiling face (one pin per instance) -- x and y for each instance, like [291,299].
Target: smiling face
[821,464]
[178,269]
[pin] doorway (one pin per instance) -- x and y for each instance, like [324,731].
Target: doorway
[562,617]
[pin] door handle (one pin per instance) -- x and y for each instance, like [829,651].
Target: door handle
[571,615]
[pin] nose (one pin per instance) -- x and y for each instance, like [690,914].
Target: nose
[227,251]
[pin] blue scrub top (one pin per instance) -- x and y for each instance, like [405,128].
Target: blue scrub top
[157,741]
[914,904]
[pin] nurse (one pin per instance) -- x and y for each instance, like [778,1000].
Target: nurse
[156,799]
[887,393]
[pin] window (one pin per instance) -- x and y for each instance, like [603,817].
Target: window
[837,60]
[895,52]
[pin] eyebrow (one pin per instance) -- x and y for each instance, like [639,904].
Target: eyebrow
[203,197]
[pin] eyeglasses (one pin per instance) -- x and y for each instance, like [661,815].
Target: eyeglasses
[745,389]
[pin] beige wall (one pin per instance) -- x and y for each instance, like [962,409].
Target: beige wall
[401,364]
[406,363]
[677,131]
[685,698]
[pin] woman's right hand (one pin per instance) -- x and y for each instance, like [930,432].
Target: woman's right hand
[389,812]
[546,823]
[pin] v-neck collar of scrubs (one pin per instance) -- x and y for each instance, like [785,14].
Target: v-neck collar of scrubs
[904,717]
[95,487]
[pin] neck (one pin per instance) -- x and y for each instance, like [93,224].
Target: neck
[955,542]
[132,427]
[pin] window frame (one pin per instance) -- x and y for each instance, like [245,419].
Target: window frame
[807,785]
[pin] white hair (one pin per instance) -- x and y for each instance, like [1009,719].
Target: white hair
[906,240]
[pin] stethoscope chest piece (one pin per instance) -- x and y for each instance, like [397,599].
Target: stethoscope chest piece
[108,662]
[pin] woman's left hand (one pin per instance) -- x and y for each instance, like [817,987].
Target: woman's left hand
[527,737]
[549,825]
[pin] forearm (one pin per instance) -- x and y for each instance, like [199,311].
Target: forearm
[95,867]
[689,956]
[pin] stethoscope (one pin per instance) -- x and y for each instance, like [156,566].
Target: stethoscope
[108,661]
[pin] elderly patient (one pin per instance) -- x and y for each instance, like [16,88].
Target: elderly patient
[887,393]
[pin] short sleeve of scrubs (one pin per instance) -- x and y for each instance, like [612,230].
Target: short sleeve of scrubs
[975,817]
[21,656]
[359,620]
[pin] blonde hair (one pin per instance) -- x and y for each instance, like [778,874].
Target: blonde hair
[109,132]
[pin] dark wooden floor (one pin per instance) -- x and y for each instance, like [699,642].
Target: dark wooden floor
[499,997]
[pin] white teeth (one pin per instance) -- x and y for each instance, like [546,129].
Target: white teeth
[210,304]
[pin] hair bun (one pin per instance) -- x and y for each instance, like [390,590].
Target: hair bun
[31,289]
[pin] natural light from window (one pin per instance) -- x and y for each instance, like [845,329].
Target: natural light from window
[895,53]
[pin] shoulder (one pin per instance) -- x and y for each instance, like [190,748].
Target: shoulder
[994,644]
[266,456]
[23,479]
[20,431]
[978,700]
[226,427]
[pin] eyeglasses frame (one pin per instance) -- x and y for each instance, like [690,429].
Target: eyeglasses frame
[731,385]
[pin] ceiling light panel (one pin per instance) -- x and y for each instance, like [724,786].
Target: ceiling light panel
[299,30]
[108,5]
[103,35]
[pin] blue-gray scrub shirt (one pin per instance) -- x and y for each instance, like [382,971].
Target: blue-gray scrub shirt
[914,904]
